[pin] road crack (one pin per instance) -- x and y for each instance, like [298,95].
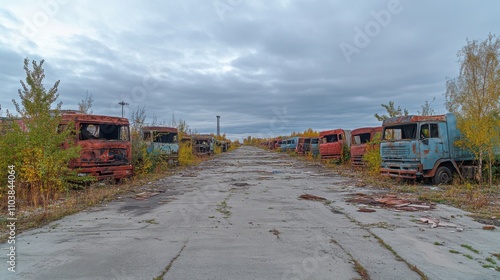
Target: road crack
[165,271]
[362,272]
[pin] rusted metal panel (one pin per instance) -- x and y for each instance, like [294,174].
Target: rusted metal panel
[413,119]
[359,141]
[106,150]
[160,129]
[300,146]
[332,143]
[274,143]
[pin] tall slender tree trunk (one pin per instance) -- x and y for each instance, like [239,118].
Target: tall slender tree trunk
[480,169]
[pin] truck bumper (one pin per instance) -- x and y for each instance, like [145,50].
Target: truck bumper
[107,172]
[401,170]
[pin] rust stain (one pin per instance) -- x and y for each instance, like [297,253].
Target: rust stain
[413,119]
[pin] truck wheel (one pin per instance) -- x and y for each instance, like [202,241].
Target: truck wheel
[442,176]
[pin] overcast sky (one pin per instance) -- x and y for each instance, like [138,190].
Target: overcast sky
[266,67]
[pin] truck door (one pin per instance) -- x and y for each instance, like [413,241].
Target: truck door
[432,144]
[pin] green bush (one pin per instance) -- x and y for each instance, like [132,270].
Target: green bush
[36,144]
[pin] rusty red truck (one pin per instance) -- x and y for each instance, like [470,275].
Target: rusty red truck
[106,150]
[275,143]
[333,142]
[360,139]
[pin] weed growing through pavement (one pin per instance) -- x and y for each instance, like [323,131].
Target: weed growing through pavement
[468,256]
[223,208]
[490,260]
[151,221]
[469,247]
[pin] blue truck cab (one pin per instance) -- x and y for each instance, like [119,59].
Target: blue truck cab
[162,141]
[423,147]
[289,144]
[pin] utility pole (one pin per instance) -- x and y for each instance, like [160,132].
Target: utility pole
[123,103]
[218,126]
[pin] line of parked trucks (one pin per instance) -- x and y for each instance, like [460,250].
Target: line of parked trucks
[411,147]
[106,147]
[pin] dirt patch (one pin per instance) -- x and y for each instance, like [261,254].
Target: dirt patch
[312,197]
[366,210]
[391,201]
[275,232]
[241,184]
[144,195]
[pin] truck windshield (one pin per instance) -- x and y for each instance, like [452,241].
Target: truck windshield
[361,138]
[330,138]
[161,137]
[91,131]
[165,138]
[401,132]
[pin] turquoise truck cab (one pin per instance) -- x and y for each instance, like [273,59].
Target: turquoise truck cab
[423,147]
[162,141]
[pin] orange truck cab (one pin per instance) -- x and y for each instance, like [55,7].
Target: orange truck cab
[106,150]
[331,143]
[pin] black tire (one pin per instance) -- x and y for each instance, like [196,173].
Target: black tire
[442,176]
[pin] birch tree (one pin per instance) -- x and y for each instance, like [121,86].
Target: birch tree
[392,111]
[473,97]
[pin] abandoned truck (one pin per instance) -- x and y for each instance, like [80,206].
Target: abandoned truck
[106,150]
[162,142]
[332,143]
[309,145]
[424,147]
[275,144]
[289,144]
[360,139]
[203,144]
[299,150]
[224,145]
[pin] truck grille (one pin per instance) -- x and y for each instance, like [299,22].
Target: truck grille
[395,152]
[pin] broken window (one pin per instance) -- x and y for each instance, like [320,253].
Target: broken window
[164,137]
[331,138]
[362,138]
[401,132]
[89,131]
[429,130]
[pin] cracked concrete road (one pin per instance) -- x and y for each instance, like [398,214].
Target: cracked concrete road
[238,216]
